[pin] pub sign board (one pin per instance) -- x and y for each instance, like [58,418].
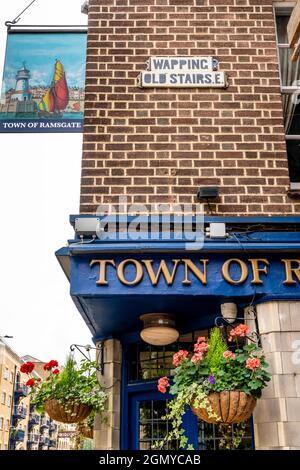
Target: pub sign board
[183,72]
[43,82]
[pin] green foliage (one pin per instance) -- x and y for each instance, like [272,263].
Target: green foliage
[229,441]
[233,375]
[217,347]
[194,395]
[77,384]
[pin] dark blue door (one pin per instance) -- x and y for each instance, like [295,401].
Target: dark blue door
[146,425]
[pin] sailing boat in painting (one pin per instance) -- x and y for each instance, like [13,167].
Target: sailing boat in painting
[56,98]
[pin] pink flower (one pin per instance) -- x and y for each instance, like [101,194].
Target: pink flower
[253,363]
[197,357]
[162,385]
[228,355]
[179,357]
[201,339]
[239,331]
[201,347]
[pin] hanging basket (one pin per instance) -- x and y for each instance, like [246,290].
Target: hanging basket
[69,413]
[85,430]
[232,407]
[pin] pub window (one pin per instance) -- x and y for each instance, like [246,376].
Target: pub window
[290,89]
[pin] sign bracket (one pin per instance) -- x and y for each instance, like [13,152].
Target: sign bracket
[8,24]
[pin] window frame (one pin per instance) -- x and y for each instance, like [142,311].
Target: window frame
[6,373]
[3,398]
[285,9]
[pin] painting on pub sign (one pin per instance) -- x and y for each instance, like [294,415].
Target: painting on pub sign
[43,82]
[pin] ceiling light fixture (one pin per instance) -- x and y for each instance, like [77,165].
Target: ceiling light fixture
[159,329]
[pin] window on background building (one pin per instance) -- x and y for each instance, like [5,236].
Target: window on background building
[11,377]
[1,423]
[3,398]
[6,373]
[290,88]
[7,425]
[9,400]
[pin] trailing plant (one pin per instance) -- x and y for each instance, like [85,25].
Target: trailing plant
[72,383]
[231,440]
[212,367]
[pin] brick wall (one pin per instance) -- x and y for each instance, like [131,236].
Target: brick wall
[159,145]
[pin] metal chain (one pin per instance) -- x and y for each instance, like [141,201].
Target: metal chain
[18,17]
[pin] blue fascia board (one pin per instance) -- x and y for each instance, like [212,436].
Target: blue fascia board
[78,249]
[188,237]
[207,219]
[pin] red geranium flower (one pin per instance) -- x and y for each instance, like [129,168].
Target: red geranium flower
[27,367]
[56,371]
[53,363]
[30,383]
[50,365]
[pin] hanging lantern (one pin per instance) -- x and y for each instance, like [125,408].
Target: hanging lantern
[159,329]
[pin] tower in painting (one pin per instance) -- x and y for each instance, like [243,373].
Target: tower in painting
[22,91]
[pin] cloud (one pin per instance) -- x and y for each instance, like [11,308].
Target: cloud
[76,76]
[39,78]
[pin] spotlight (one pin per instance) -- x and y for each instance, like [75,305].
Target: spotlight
[208,193]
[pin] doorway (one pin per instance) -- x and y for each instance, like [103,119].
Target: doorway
[147,427]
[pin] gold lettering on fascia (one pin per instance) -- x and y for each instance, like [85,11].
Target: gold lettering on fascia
[254,269]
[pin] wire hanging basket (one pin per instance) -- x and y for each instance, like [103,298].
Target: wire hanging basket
[69,412]
[230,406]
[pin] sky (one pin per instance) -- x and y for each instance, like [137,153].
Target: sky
[68,48]
[39,188]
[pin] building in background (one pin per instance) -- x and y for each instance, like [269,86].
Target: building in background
[9,364]
[157,140]
[21,427]
[66,438]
